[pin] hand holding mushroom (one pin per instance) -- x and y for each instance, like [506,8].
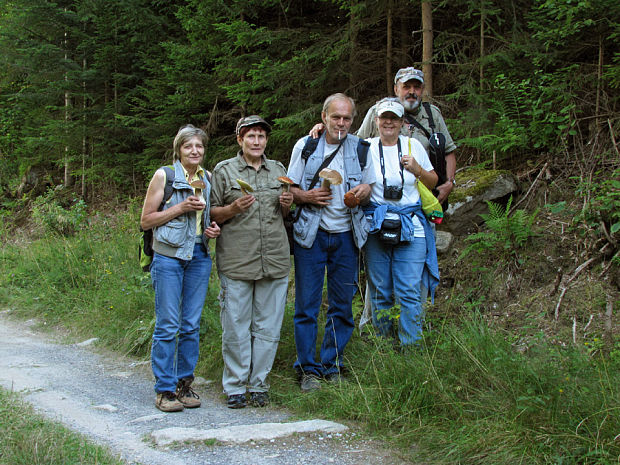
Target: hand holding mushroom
[286,198]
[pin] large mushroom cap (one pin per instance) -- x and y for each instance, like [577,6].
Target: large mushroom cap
[245,187]
[286,180]
[198,184]
[351,200]
[330,175]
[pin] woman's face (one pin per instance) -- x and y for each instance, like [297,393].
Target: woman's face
[192,152]
[389,125]
[253,142]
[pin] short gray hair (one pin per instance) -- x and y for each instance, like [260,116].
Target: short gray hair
[339,96]
[186,133]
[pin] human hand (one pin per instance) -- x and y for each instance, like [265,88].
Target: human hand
[192,203]
[316,130]
[243,203]
[320,196]
[444,191]
[286,200]
[212,231]
[362,192]
[411,165]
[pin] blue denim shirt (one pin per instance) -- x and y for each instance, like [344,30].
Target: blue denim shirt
[376,214]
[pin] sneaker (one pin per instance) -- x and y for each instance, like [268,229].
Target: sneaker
[168,402]
[259,399]
[309,382]
[236,401]
[335,378]
[186,395]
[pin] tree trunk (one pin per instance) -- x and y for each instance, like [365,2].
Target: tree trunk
[482,20]
[389,58]
[67,174]
[353,31]
[427,46]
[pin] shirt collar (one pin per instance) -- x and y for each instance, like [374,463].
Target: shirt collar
[199,173]
[242,164]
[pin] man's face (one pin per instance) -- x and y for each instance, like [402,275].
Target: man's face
[253,142]
[409,93]
[337,120]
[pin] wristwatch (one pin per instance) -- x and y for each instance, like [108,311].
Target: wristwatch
[453,181]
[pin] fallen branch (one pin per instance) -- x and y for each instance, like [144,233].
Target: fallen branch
[566,285]
[514,207]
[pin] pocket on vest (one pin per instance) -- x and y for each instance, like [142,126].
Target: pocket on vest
[172,233]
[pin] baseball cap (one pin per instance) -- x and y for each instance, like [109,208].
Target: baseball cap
[252,120]
[390,105]
[406,74]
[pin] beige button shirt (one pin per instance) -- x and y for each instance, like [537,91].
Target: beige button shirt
[253,244]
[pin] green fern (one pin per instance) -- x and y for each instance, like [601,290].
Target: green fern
[506,234]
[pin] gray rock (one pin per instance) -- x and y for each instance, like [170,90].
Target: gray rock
[443,241]
[244,433]
[464,213]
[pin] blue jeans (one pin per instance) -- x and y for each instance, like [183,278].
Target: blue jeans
[396,271]
[337,253]
[180,291]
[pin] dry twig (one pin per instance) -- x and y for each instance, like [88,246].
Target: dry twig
[566,285]
[543,169]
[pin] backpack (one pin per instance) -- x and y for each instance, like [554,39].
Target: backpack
[145,247]
[311,144]
[436,144]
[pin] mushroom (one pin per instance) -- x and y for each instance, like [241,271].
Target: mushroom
[286,183]
[329,177]
[351,200]
[245,187]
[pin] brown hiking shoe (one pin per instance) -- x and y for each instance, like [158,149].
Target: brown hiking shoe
[168,402]
[186,395]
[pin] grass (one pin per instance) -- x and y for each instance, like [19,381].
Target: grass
[29,439]
[466,397]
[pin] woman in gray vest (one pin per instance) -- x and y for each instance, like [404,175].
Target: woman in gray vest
[180,269]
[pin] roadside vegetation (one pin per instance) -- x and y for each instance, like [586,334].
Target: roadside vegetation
[27,438]
[498,378]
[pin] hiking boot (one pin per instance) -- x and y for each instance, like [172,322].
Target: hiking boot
[186,395]
[335,378]
[168,402]
[309,382]
[259,399]
[236,401]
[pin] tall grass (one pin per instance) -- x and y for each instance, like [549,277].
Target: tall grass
[29,439]
[466,396]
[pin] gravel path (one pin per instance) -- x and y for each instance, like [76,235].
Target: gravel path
[110,399]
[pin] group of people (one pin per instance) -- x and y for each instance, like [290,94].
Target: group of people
[371,204]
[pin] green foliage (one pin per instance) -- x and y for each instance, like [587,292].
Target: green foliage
[48,211]
[506,233]
[601,203]
[29,439]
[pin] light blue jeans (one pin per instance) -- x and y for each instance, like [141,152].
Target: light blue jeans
[180,291]
[396,271]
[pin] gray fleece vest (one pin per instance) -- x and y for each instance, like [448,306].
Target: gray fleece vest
[307,225]
[177,237]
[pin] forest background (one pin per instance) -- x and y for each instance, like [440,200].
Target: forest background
[521,360]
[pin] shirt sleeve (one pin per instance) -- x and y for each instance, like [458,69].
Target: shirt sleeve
[420,155]
[218,184]
[368,127]
[297,166]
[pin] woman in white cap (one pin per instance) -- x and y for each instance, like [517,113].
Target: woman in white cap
[400,252]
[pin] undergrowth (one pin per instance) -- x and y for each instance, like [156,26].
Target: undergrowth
[29,439]
[467,396]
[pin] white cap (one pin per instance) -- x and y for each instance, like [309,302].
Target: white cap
[390,105]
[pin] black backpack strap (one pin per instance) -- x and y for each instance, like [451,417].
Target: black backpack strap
[362,152]
[411,120]
[309,148]
[431,122]
[169,171]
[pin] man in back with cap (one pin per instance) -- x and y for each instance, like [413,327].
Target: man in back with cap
[253,262]
[408,87]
